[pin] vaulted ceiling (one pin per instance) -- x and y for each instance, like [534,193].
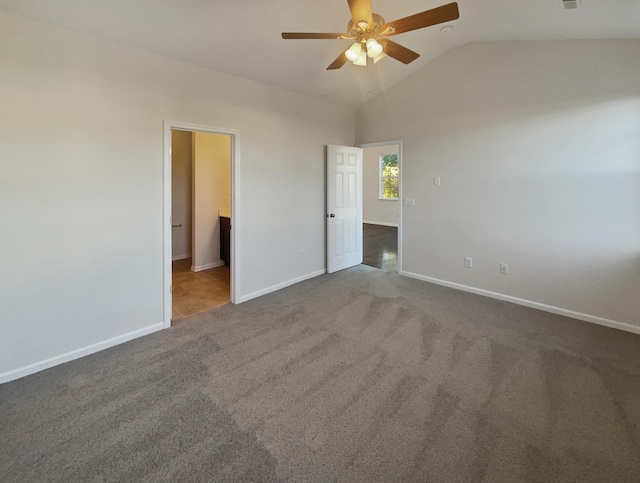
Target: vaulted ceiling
[242,37]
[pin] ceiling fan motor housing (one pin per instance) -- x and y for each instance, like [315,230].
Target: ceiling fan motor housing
[372,29]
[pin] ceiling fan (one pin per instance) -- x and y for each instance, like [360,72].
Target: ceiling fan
[369,31]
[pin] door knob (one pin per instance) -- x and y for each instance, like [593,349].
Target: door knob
[332,215]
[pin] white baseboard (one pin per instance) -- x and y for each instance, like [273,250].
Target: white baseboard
[381,223]
[181,257]
[77,354]
[614,324]
[280,286]
[207,266]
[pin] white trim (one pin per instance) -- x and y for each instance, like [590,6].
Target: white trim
[180,257]
[381,223]
[381,143]
[236,211]
[280,286]
[614,324]
[207,266]
[78,353]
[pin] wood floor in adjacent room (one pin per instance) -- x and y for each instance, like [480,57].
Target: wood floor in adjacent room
[380,246]
[195,292]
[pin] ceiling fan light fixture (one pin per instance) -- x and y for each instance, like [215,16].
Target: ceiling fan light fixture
[374,49]
[353,52]
[365,28]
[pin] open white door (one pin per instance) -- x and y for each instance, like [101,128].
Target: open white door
[344,207]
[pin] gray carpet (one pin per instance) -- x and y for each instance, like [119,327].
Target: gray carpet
[357,376]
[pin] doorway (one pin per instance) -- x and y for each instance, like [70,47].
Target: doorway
[200,201]
[382,208]
[200,208]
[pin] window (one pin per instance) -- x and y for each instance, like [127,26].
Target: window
[389,177]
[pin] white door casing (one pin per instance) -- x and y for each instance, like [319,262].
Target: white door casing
[344,207]
[235,209]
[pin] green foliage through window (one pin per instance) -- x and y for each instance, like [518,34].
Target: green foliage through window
[389,176]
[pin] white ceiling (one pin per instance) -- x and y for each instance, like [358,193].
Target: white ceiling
[242,37]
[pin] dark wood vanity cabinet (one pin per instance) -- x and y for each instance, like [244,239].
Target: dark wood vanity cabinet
[225,240]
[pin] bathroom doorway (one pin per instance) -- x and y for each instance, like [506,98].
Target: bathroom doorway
[200,270]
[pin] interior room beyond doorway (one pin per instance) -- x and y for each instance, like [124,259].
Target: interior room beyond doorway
[381,206]
[200,212]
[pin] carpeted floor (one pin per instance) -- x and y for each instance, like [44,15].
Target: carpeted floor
[360,375]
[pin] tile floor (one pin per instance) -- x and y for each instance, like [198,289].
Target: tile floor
[195,292]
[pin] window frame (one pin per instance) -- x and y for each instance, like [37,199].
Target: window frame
[381,177]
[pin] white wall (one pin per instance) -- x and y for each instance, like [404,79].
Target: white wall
[538,148]
[181,193]
[81,191]
[211,192]
[375,210]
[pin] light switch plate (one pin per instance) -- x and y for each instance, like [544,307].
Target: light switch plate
[409,202]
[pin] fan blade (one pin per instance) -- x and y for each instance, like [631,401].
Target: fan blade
[446,13]
[360,10]
[304,35]
[398,52]
[339,62]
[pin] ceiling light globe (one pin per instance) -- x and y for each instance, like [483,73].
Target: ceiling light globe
[374,49]
[353,52]
[362,59]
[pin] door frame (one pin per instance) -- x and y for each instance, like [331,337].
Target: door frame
[166,212]
[399,144]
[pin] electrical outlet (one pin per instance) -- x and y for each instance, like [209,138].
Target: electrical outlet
[468,262]
[504,268]
[303,254]
[436,180]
